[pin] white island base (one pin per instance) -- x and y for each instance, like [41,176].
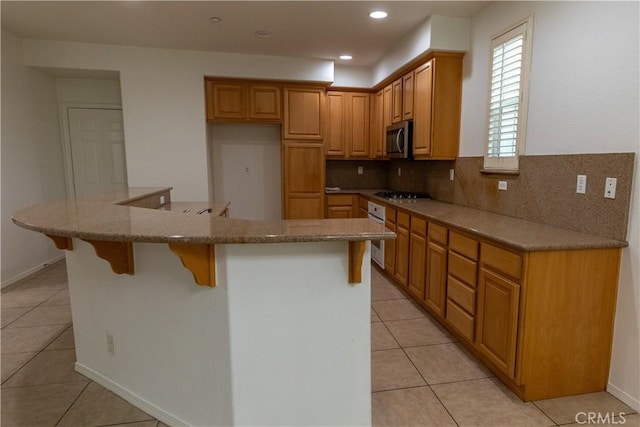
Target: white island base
[283,339]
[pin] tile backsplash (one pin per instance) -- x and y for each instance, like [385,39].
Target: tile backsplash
[543,192]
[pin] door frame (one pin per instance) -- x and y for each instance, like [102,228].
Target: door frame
[66,137]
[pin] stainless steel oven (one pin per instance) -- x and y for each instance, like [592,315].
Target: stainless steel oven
[377,214]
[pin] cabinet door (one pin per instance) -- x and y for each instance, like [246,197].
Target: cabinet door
[335,135]
[396,112]
[303,165]
[303,113]
[407,96]
[402,256]
[357,135]
[422,109]
[387,108]
[264,103]
[228,101]
[497,319]
[379,148]
[436,295]
[417,257]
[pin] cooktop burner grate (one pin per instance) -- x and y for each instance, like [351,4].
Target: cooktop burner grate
[402,195]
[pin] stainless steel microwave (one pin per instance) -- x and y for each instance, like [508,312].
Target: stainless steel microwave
[399,139]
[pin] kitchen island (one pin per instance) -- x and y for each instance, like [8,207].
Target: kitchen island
[207,320]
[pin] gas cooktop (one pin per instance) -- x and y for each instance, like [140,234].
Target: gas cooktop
[405,195]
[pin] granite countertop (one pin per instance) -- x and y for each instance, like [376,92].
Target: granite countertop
[103,217]
[512,232]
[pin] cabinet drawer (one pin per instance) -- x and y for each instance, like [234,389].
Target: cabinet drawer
[419,226]
[462,268]
[390,214]
[502,260]
[461,294]
[403,220]
[463,245]
[340,199]
[460,320]
[438,233]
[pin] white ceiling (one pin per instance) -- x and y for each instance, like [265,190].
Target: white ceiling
[318,29]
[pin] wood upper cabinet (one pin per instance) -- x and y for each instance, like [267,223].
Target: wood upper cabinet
[238,101]
[304,113]
[498,302]
[347,133]
[378,143]
[437,103]
[303,183]
[417,257]
[396,109]
[334,142]
[422,109]
[407,96]
[436,279]
[264,102]
[387,108]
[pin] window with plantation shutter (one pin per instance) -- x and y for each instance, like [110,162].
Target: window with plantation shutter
[510,53]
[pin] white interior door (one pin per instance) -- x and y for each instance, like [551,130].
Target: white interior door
[97,149]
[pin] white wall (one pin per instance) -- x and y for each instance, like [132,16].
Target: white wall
[437,32]
[349,76]
[246,169]
[583,99]
[163,101]
[91,91]
[32,168]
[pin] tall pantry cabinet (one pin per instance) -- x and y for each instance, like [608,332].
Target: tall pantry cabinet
[303,152]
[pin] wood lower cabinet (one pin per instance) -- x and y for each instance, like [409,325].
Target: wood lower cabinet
[436,278]
[403,223]
[498,304]
[417,257]
[304,113]
[237,101]
[541,321]
[342,206]
[390,245]
[363,204]
[303,183]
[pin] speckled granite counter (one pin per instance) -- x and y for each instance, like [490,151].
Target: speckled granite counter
[104,217]
[512,232]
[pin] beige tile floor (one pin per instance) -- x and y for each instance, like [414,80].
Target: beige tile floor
[420,375]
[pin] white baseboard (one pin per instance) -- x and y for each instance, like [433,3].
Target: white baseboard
[30,271]
[624,397]
[130,397]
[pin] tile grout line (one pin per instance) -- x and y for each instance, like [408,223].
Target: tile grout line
[72,403]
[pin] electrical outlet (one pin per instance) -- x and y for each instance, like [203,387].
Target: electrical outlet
[399,171]
[360,170]
[581,184]
[111,344]
[502,185]
[610,188]
[162,200]
[246,170]
[451,174]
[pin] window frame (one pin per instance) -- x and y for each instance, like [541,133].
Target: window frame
[511,164]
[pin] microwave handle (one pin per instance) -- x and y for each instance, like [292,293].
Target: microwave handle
[400,150]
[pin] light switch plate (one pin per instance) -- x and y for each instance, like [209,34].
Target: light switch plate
[581,184]
[451,174]
[502,185]
[360,170]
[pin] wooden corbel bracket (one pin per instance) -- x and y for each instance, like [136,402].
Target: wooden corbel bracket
[199,259]
[118,254]
[61,242]
[356,255]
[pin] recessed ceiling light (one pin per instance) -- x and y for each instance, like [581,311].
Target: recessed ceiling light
[346,57]
[215,19]
[378,14]
[262,34]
